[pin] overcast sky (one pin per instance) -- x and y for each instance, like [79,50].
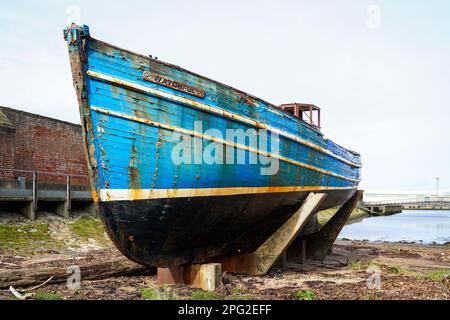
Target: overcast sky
[380,70]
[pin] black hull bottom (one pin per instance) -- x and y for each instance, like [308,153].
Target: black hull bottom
[167,232]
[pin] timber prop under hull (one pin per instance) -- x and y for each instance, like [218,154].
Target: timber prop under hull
[234,224]
[162,213]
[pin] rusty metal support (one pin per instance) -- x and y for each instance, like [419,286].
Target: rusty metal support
[260,261]
[318,245]
[319,125]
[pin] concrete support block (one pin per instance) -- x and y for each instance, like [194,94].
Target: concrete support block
[88,207]
[28,210]
[92,209]
[62,209]
[203,276]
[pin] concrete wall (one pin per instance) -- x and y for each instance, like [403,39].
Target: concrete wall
[38,143]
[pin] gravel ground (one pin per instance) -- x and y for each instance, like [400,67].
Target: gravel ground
[404,271]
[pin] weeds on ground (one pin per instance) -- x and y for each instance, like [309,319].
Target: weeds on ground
[89,227]
[42,295]
[27,238]
[395,269]
[305,295]
[158,294]
[204,295]
[437,275]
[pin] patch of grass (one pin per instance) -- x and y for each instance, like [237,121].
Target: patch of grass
[27,238]
[326,215]
[157,294]
[42,295]
[437,275]
[89,227]
[204,295]
[305,295]
[238,294]
[394,269]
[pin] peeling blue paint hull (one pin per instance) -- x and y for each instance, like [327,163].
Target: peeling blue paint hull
[161,212]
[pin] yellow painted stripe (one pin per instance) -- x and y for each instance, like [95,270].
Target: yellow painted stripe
[144,194]
[221,112]
[221,141]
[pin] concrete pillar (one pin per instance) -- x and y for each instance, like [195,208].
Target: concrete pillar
[91,209]
[62,210]
[27,209]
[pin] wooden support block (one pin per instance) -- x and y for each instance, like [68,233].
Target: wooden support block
[172,275]
[281,261]
[296,253]
[203,276]
[318,245]
[260,261]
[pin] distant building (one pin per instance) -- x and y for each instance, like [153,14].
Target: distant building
[30,142]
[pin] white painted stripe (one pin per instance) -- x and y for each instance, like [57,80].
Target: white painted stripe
[146,194]
[211,138]
[221,112]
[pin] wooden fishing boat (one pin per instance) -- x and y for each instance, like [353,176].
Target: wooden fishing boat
[165,172]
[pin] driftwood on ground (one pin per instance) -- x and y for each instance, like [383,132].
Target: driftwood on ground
[21,278]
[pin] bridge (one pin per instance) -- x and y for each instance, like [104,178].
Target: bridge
[412,205]
[388,207]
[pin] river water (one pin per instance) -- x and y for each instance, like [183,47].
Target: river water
[421,226]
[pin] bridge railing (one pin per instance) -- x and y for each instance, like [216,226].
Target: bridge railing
[404,202]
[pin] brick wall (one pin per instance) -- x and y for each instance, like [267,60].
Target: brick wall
[42,144]
[6,151]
